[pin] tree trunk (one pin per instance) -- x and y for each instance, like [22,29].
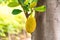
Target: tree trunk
[52,29]
[48,29]
[40,19]
[39,32]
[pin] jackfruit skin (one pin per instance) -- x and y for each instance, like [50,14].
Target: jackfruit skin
[30,24]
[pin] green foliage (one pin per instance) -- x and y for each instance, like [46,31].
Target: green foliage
[26,8]
[2,34]
[13,4]
[29,4]
[24,4]
[16,11]
[1,1]
[4,1]
[1,31]
[40,8]
[12,24]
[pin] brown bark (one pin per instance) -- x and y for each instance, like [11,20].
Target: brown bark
[48,29]
[52,20]
[39,32]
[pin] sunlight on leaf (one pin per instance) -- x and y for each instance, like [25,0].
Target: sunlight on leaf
[40,9]
[13,4]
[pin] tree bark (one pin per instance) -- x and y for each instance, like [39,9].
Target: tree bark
[40,19]
[52,29]
[49,29]
[39,32]
[48,26]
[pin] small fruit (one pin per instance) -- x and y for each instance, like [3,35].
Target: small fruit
[30,24]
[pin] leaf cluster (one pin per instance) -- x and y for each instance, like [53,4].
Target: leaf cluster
[27,5]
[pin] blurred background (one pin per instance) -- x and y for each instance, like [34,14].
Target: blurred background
[12,27]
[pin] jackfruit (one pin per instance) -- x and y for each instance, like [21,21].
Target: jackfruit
[30,24]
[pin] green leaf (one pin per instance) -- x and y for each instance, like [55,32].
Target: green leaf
[16,11]
[13,4]
[40,8]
